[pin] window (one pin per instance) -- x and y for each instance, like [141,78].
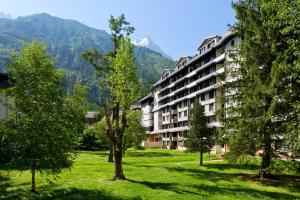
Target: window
[232,43]
[211,94]
[167,118]
[185,104]
[210,44]
[179,114]
[185,113]
[212,119]
[202,97]
[202,50]
[211,107]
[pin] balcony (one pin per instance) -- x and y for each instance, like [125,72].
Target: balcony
[181,138]
[174,112]
[175,120]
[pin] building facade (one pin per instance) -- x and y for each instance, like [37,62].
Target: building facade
[194,78]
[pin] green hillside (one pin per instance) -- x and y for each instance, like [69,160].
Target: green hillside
[65,41]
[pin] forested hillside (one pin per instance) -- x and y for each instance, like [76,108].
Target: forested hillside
[65,41]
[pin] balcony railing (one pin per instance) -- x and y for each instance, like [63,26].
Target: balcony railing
[165,139]
[174,138]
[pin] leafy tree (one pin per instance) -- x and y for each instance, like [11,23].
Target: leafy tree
[258,103]
[44,123]
[94,137]
[117,75]
[200,136]
[100,61]
[136,132]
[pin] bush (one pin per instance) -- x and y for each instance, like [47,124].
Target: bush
[243,160]
[284,167]
[94,137]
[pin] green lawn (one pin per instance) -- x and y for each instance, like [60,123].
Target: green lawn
[151,174]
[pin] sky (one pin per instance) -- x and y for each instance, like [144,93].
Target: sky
[177,26]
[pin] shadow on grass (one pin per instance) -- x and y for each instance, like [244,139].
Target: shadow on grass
[226,166]
[291,183]
[207,190]
[14,192]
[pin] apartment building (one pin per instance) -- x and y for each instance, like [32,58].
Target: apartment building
[4,83]
[194,78]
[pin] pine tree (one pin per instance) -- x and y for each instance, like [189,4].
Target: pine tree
[200,136]
[257,101]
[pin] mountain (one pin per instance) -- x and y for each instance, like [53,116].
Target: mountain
[65,41]
[148,43]
[4,15]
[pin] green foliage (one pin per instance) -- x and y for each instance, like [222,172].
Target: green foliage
[94,137]
[136,132]
[259,101]
[200,135]
[123,82]
[45,124]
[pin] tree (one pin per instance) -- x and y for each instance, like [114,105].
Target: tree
[200,136]
[44,123]
[257,102]
[136,132]
[94,137]
[117,75]
[100,61]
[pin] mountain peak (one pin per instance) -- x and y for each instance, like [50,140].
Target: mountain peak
[148,43]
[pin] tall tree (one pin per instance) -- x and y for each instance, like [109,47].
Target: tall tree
[256,102]
[119,28]
[44,123]
[200,137]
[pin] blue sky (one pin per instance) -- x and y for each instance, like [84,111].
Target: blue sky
[177,26]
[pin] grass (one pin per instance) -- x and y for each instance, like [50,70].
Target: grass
[151,174]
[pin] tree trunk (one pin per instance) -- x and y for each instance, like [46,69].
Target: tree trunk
[111,154]
[201,156]
[266,158]
[124,144]
[118,162]
[33,165]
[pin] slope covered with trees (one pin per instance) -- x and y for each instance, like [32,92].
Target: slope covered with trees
[66,40]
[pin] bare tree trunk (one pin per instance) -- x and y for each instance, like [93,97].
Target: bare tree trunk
[201,156]
[111,154]
[33,165]
[266,158]
[119,175]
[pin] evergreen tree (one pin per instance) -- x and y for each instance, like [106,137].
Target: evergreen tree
[200,136]
[45,124]
[257,101]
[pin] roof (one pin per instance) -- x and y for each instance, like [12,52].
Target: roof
[208,40]
[165,71]
[4,80]
[183,58]
[149,96]
[226,37]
